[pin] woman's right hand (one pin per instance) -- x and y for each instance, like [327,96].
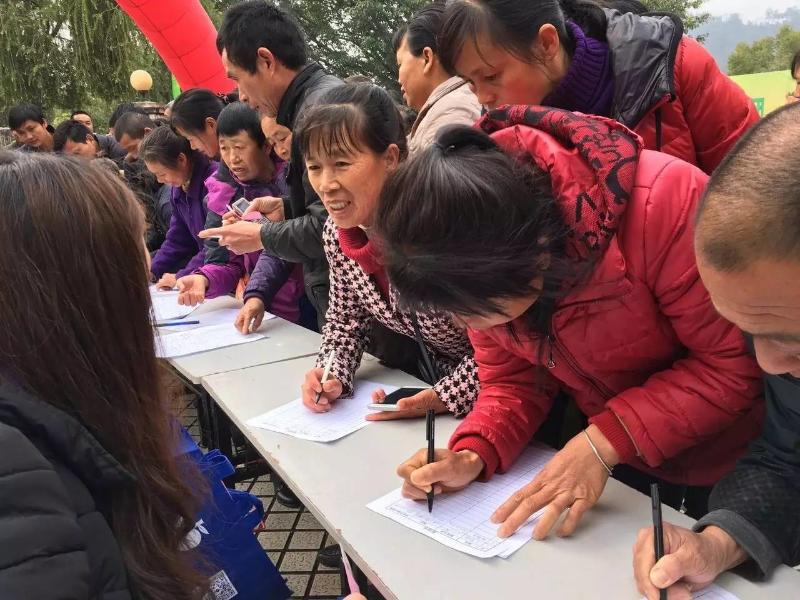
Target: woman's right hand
[312,385]
[250,316]
[451,471]
[167,281]
[192,290]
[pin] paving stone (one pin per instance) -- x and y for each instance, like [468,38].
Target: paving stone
[298,584]
[326,584]
[273,540]
[306,540]
[279,521]
[308,521]
[298,561]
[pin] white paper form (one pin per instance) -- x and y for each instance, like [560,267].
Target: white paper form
[712,592]
[345,417]
[201,339]
[222,316]
[461,520]
[165,305]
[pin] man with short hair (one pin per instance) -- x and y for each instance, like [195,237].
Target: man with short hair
[31,129]
[81,116]
[130,130]
[121,109]
[747,241]
[264,51]
[74,138]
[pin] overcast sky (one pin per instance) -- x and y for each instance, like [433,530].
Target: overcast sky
[748,9]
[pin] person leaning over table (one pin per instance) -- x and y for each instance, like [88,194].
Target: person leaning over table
[351,142]
[748,251]
[566,249]
[264,52]
[599,58]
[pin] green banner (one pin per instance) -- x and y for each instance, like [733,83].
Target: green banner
[176,89]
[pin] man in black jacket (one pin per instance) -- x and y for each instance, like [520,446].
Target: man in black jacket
[747,242]
[264,51]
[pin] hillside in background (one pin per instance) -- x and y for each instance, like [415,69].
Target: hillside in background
[724,33]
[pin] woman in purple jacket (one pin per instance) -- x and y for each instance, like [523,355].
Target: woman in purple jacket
[169,157]
[253,171]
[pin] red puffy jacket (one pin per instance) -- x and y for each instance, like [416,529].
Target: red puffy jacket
[639,345]
[669,90]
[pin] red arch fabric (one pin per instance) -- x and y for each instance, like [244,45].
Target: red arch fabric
[184,37]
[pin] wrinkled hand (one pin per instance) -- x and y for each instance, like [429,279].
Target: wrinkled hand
[192,290]
[691,560]
[451,472]
[167,281]
[410,408]
[573,480]
[331,390]
[240,237]
[250,316]
[269,206]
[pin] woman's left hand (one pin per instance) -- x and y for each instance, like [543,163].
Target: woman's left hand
[573,480]
[410,408]
[241,237]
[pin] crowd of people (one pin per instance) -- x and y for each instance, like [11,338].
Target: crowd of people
[585,227]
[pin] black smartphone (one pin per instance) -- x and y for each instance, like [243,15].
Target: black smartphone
[391,400]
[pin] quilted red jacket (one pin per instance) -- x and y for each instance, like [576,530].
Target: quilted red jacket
[669,90]
[638,345]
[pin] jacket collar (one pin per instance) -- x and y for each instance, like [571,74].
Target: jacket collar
[643,53]
[440,91]
[293,97]
[591,162]
[64,434]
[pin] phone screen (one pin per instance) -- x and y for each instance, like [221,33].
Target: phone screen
[398,395]
[241,205]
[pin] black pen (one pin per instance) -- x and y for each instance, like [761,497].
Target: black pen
[430,424]
[658,529]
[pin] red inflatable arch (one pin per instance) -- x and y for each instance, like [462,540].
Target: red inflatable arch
[185,39]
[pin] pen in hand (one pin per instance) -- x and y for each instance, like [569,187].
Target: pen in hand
[658,529]
[325,374]
[429,434]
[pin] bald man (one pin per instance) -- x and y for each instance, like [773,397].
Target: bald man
[747,240]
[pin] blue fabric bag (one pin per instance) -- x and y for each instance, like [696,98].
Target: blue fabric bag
[241,569]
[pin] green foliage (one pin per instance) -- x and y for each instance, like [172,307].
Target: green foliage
[766,54]
[65,54]
[688,10]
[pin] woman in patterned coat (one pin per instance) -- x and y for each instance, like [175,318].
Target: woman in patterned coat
[352,141]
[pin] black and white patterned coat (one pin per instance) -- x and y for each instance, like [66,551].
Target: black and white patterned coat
[355,300]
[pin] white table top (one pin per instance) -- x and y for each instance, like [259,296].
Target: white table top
[336,481]
[284,341]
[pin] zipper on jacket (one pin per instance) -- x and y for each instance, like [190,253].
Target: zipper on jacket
[598,387]
[658,129]
[551,363]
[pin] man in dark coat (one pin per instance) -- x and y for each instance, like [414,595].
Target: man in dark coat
[264,51]
[747,242]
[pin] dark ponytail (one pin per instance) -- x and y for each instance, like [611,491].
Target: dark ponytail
[191,109]
[164,146]
[514,24]
[485,224]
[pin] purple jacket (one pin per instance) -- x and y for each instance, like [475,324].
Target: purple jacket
[278,283]
[182,251]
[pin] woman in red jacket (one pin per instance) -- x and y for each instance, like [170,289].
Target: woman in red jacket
[572,54]
[573,269]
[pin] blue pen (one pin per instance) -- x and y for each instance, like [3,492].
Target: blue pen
[176,323]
